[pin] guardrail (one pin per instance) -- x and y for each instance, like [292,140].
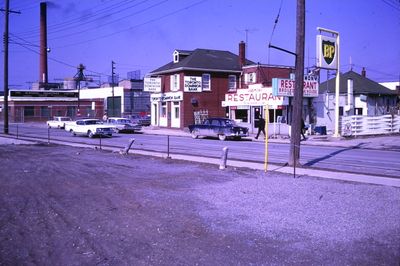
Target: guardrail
[358,125]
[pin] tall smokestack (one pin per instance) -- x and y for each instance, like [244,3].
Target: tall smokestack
[242,53]
[43,77]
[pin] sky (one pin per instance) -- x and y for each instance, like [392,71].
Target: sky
[142,34]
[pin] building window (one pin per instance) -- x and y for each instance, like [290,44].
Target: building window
[163,109]
[250,77]
[44,111]
[29,111]
[340,110]
[206,82]
[176,109]
[175,82]
[358,111]
[232,82]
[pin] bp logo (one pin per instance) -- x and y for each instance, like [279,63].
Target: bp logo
[328,50]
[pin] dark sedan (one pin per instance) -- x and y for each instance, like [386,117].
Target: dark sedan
[221,128]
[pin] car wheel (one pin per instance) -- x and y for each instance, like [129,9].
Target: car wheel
[222,137]
[195,133]
[72,133]
[90,134]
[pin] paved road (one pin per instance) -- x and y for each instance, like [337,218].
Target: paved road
[356,156]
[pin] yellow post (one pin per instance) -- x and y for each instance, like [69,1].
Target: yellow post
[266,112]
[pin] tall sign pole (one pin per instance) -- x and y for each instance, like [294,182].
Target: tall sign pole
[328,57]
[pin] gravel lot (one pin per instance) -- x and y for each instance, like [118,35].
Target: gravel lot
[71,206]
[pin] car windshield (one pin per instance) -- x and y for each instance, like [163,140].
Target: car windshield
[65,119]
[229,122]
[123,121]
[92,122]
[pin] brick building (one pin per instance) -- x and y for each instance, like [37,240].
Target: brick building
[200,82]
[194,81]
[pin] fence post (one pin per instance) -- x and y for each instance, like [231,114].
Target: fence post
[100,141]
[168,147]
[127,148]
[48,135]
[224,157]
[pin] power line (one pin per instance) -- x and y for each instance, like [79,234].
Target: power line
[77,21]
[135,26]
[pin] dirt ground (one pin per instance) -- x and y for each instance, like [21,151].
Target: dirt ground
[71,206]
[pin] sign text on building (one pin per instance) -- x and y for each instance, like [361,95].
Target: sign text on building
[192,84]
[285,87]
[253,96]
[152,84]
[166,97]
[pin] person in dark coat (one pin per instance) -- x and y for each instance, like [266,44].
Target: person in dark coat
[261,126]
[302,129]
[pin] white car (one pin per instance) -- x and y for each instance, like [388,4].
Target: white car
[59,122]
[90,128]
[123,124]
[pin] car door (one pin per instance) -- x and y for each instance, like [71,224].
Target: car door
[215,128]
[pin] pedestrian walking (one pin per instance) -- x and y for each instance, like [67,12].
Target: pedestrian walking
[302,129]
[261,126]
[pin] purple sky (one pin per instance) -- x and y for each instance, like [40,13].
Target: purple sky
[142,34]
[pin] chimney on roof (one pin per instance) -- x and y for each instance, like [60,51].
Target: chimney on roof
[43,78]
[242,53]
[363,72]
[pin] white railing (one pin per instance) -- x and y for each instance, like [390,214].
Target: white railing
[369,125]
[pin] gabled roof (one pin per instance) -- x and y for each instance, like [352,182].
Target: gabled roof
[204,60]
[361,85]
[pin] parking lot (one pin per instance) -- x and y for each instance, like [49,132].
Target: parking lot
[66,206]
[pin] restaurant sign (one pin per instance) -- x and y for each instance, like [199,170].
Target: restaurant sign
[285,87]
[256,96]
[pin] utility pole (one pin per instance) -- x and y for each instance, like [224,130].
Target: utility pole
[112,86]
[78,78]
[294,156]
[6,11]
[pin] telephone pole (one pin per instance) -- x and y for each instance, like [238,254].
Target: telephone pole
[112,86]
[78,78]
[294,156]
[6,11]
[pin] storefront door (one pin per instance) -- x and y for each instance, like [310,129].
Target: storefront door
[175,114]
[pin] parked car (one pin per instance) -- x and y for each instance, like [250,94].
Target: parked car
[123,124]
[90,128]
[143,120]
[222,128]
[59,122]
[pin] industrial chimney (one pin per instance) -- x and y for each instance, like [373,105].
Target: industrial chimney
[43,76]
[242,53]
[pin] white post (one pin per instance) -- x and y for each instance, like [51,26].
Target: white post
[224,158]
[337,88]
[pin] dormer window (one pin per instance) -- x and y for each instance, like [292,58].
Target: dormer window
[176,56]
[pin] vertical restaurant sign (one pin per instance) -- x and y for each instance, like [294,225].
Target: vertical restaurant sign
[152,84]
[327,52]
[192,84]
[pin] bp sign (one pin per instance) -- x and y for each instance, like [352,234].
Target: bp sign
[326,52]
